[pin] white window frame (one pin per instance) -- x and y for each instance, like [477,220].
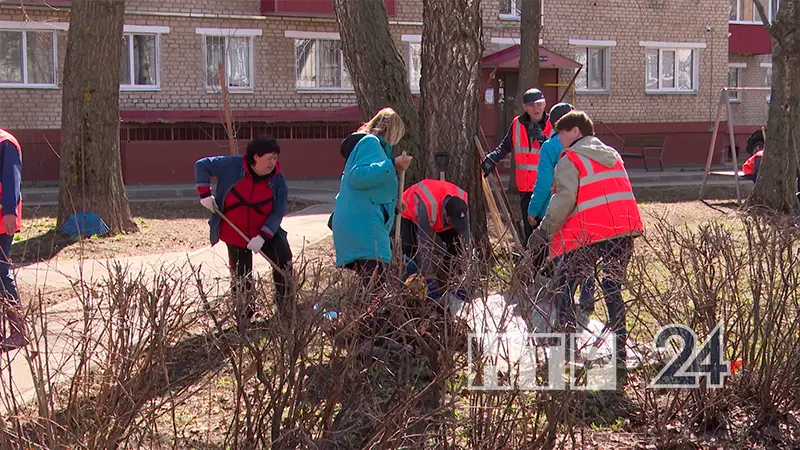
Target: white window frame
[228,33]
[140,30]
[736,97]
[768,66]
[673,46]
[409,40]
[606,46]
[22,27]
[756,20]
[317,36]
[514,16]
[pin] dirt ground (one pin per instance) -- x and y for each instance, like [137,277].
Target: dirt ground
[163,227]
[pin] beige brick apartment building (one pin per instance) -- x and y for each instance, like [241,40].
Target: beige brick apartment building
[652,66]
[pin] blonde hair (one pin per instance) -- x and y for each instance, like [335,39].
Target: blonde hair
[387,124]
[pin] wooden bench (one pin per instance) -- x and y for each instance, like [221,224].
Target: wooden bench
[648,146]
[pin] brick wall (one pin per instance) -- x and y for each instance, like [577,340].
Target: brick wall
[628,24]
[753,108]
[183,71]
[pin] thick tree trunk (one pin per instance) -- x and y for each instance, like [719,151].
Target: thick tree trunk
[91,169]
[451,98]
[530,28]
[777,177]
[378,72]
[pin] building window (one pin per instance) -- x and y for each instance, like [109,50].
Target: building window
[413,46]
[510,9]
[774,6]
[735,80]
[671,69]
[234,50]
[768,78]
[744,11]
[319,64]
[140,58]
[28,58]
[595,56]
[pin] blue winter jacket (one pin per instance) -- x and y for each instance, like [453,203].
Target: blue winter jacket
[229,170]
[365,206]
[542,190]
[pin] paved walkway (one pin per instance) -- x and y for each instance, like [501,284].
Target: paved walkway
[325,189]
[65,321]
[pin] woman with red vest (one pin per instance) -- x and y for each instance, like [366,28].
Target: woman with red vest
[528,132]
[434,209]
[592,216]
[252,193]
[11,207]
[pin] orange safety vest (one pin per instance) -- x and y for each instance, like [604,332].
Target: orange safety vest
[604,208]
[432,193]
[6,136]
[749,166]
[526,155]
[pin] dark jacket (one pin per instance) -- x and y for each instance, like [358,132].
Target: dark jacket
[534,129]
[230,170]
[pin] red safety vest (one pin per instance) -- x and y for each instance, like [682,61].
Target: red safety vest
[749,166]
[605,206]
[433,193]
[6,136]
[526,155]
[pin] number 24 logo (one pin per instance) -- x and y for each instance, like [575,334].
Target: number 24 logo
[688,366]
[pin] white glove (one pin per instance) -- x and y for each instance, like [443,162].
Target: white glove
[256,243]
[210,203]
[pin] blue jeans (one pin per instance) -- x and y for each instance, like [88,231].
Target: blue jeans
[578,266]
[9,289]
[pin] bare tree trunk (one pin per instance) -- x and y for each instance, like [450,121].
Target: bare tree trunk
[529,30]
[378,72]
[91,168]
[777,176]
[451,97]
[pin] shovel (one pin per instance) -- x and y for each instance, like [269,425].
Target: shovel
[442,159]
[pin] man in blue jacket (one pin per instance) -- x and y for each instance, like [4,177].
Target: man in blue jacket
[11,211]
[543,189]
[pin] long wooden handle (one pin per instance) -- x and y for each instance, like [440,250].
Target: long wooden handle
[274,265]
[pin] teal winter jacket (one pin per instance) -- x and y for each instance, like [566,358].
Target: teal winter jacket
[365,206]
[543,189]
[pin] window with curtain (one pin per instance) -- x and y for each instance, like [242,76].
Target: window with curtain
[670,70]
[140,61]
[594,75]
[735,80]
[235,55]
[27,58]
[319,64]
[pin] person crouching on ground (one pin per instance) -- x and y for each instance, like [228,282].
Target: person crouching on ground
[252,193]
[592,216]
[434,210]
[367,200]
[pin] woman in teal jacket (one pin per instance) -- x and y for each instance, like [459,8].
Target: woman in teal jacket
[367,200]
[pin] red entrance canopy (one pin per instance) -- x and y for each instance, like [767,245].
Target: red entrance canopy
[509,58]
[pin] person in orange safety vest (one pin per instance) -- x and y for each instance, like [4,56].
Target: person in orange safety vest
[434,210]
[11,207]
[593,216]
[525,137]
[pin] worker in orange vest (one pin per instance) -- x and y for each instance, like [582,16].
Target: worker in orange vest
[11,207]
[525,137]
[434,209]
[593,216]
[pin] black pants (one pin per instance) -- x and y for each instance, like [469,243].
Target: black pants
[240,260]
[366,268]
[578,265]
[524,200]
[450,238]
